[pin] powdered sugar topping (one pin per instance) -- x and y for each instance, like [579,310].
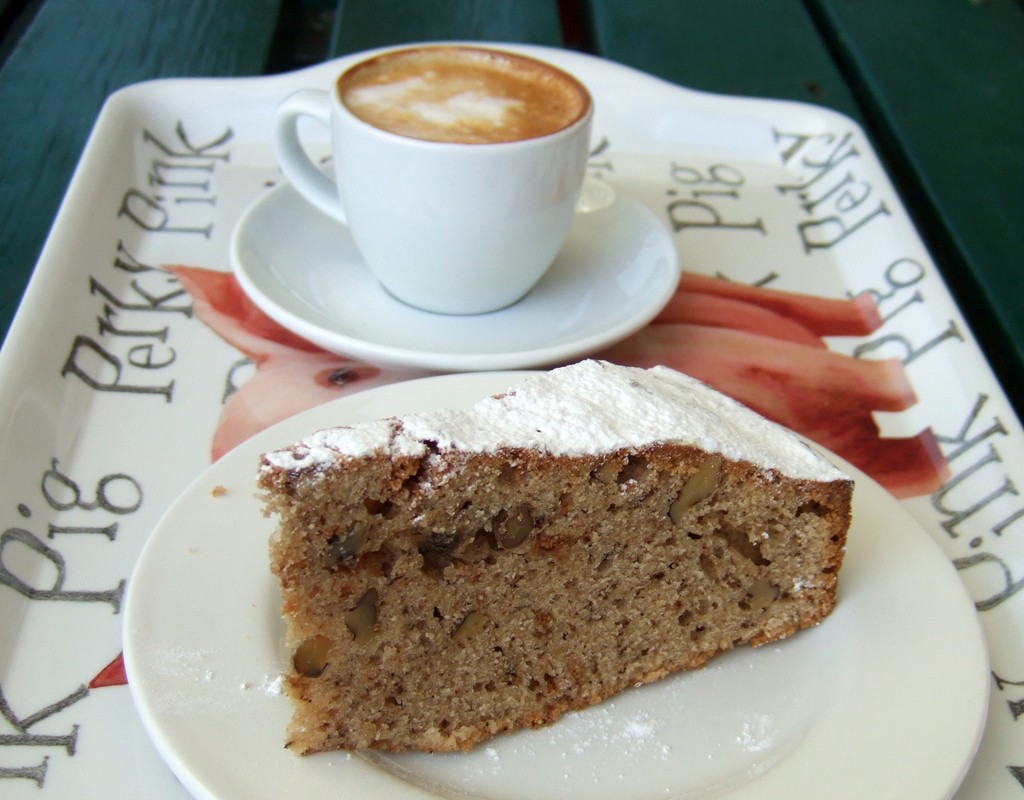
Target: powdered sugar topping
[585,408]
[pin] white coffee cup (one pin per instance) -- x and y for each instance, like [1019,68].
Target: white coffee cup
[461,226]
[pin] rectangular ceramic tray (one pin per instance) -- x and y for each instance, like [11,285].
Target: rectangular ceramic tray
[114,379]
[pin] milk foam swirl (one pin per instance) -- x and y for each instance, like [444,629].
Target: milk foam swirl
[463,94]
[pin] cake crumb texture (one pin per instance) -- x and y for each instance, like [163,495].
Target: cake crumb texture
[438,592]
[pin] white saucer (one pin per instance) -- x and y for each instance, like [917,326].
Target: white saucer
[886,699]
[618,269]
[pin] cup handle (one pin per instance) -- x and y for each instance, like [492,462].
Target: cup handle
[311,182]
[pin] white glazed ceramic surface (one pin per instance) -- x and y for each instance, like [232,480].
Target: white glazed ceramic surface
[446,227]
[844,710]
[617,269]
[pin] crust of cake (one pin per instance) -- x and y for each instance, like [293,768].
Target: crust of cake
[436,600]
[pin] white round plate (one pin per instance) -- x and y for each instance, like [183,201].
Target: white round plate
[885,699]
[617,270]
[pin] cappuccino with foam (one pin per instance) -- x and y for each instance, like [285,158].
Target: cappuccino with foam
[463,94]
[455,169]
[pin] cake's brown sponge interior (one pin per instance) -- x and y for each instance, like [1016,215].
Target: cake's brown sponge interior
[434,602]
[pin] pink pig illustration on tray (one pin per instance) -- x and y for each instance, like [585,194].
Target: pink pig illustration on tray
[765,348]
[762,346]
[290,374]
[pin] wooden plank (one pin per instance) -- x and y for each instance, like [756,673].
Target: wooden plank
[739,47]
[943,88]
[69,59]
[364,24]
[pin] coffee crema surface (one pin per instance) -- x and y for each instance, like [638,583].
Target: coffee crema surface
[462,94]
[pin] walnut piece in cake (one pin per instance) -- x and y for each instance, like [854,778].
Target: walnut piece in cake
[448,576]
